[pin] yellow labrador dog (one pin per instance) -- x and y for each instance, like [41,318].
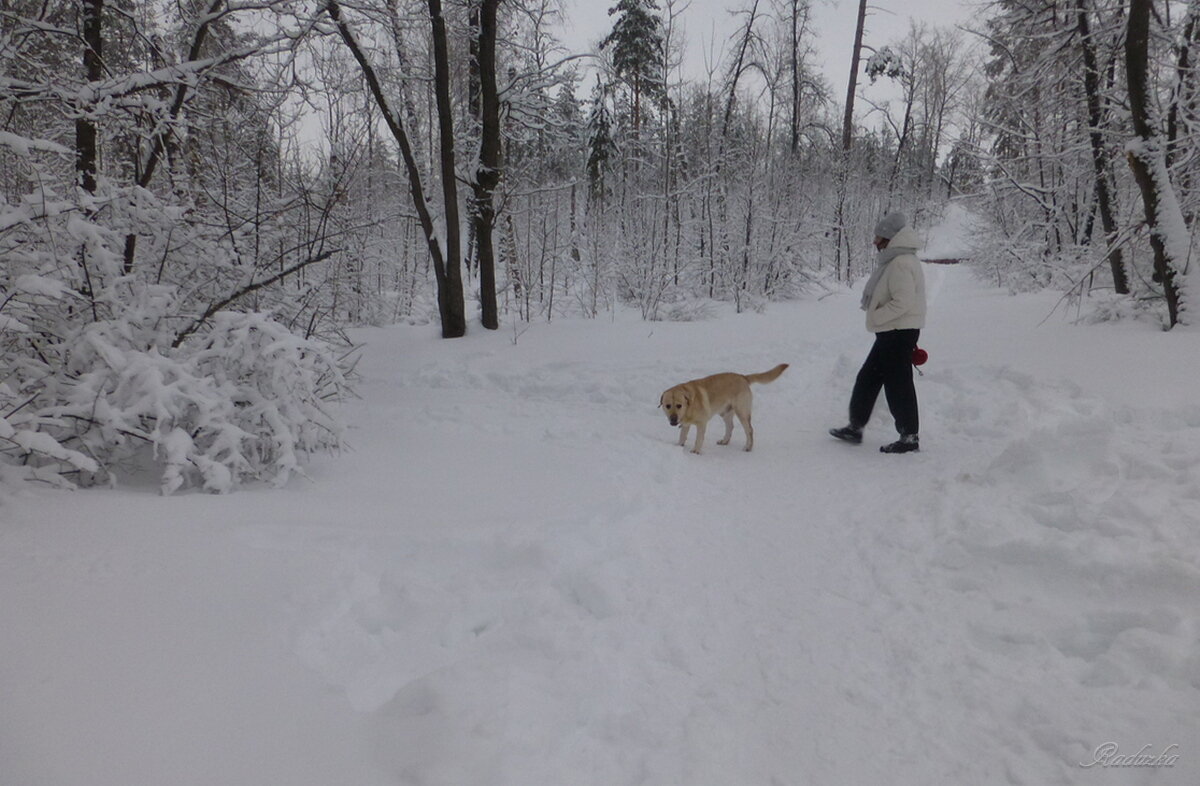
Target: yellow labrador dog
[694,404]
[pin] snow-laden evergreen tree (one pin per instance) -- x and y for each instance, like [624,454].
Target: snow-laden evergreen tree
[636,42]
[601,148]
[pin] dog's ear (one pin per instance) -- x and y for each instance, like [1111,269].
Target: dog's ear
[687,400]
[660,399]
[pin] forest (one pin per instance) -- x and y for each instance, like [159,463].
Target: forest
[202,197]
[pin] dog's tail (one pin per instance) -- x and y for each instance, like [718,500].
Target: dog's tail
[767,376]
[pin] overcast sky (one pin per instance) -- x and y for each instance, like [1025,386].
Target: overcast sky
[708,24]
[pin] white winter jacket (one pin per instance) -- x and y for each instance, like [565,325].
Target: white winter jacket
[898,302]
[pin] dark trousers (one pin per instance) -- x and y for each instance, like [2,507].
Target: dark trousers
[888,366]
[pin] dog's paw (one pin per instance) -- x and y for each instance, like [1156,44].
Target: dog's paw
[722,442]
[696,451]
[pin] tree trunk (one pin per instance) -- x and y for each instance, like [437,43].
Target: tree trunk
[1105,199]
[855,56]
[86,142]
[901,143]
[1147,159]
[487,176]
[744,284]
[795,64]
[86,138]
[473,66]
[454,323]
[637,106]
[847,138]
[1184,94]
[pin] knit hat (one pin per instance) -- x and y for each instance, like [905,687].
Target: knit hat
[890,224]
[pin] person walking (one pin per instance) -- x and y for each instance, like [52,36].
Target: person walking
[894,299]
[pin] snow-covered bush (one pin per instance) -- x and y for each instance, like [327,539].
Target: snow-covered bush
[108,371]
[691,310]
[245,399]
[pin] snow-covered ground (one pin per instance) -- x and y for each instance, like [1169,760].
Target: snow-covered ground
[515,577]
[954,236]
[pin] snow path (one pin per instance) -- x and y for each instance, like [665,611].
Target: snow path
[515,577]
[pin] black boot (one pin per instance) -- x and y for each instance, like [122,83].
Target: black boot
[847,434]
[906,444]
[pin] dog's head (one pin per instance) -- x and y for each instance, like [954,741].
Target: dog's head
[675,402]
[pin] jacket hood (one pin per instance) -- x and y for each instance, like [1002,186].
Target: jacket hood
[905,238]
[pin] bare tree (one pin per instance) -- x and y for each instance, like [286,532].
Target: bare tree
[447,262]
